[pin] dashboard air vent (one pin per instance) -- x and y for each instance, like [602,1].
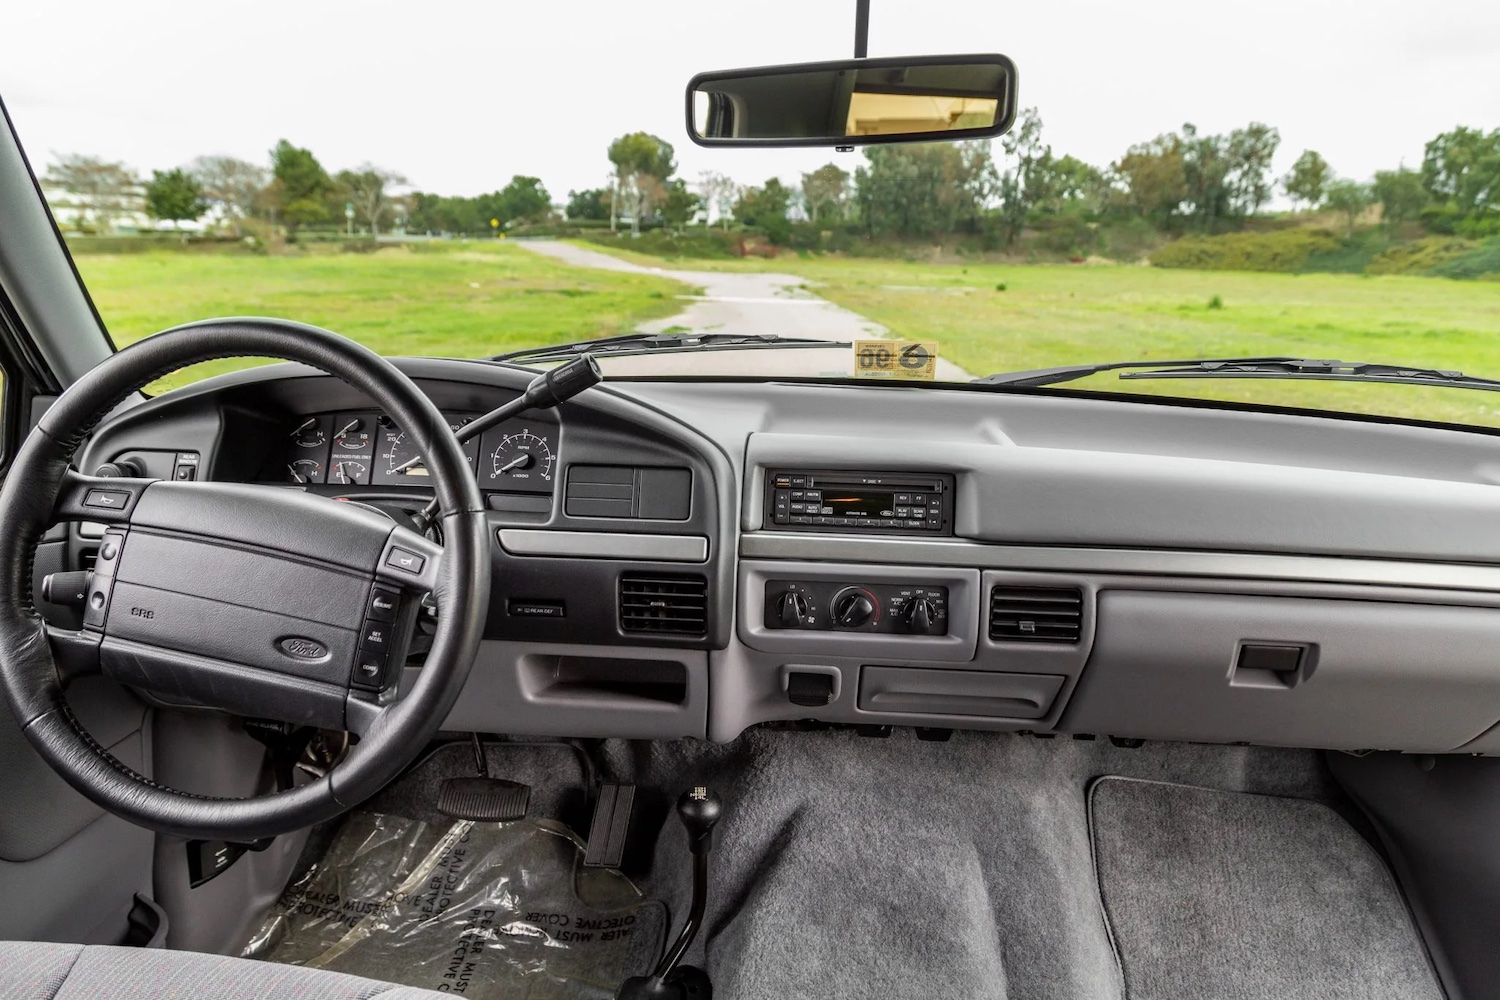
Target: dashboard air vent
[664,603]
[1036,614]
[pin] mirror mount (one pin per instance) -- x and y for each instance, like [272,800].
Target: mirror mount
[861,28]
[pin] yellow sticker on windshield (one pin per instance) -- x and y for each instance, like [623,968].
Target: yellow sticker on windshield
[896,359]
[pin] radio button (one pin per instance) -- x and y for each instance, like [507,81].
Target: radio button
[801,519]
[919,499]
[813,496]
[796,495]
[915,524]
[799,480]
[783,481]
[934,523]
[903,512]
[903,498]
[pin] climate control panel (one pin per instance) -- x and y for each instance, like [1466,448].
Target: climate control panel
[842,606]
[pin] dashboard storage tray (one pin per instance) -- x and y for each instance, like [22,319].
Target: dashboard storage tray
[918,691]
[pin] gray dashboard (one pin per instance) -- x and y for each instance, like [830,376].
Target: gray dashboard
[1221,575]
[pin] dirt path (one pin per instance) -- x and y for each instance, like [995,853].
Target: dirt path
[742,303]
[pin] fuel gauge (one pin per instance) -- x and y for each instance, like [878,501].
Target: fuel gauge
[347,472]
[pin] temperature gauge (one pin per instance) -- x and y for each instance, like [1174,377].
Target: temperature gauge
[305,458]
[305,470]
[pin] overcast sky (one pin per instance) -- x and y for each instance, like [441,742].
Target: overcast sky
[461,94]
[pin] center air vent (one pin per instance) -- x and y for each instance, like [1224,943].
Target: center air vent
[663,603]
[1036,614]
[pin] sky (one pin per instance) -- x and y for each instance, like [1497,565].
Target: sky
[459,95]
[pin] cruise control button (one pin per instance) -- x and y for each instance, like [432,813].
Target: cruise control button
[382,605]
[402,559]
[376,638]
[369,669]
[111,499]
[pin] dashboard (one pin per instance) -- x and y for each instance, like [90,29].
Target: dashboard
[677,558]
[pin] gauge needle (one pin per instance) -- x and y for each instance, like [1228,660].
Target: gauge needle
[338,469]
[296,475]
[514,463]
[347,428]
[310,422]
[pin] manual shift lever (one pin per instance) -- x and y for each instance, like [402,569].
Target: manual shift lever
[699,809]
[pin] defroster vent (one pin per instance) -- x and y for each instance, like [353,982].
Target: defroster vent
[1036,614]
[664,603]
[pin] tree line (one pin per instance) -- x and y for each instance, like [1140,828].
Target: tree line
[1181,182]
[1188,181]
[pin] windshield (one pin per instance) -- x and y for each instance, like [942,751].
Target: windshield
[466,180]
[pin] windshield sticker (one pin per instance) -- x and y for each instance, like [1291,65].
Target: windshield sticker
[896,359]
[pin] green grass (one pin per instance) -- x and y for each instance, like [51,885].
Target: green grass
[1068,314]
[478,299]
[458,300]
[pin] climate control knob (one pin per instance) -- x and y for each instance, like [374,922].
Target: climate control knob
[794,609]
[920,615]
[853,607]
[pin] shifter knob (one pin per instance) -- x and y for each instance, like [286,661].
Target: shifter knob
[699,809]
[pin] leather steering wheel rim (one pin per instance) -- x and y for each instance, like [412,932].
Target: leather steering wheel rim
[29,670]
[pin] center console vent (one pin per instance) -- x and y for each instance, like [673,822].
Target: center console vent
[664,603]
[1036,614]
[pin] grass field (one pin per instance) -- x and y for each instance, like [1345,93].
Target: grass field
[1066,314]
[474,300]
[458,300]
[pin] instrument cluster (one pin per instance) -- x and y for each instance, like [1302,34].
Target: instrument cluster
[366,448]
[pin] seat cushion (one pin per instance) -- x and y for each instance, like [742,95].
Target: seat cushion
[37,971]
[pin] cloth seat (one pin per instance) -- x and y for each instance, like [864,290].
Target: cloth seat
[40,971]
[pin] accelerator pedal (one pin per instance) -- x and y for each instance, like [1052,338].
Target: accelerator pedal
[611,826]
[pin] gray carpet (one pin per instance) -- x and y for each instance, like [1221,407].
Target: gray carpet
[1225,896]
[852,867]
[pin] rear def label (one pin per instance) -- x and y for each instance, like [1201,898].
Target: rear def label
[896,359]
[301,648]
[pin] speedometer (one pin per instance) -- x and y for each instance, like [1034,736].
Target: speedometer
[521,458]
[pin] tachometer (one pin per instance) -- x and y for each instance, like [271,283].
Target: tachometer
[522,457]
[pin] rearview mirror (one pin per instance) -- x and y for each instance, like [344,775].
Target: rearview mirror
[854,102]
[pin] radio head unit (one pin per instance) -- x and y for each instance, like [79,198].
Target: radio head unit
[860,502]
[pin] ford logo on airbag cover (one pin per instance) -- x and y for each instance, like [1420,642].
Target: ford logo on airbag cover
[302,648]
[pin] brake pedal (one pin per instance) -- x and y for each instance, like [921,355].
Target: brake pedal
[611,826]
[484,800]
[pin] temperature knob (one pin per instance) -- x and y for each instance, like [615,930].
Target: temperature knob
[853,607]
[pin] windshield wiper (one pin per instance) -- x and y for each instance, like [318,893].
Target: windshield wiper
[647,343]
[1282,368]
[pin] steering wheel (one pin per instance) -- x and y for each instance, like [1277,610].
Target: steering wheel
[264,601]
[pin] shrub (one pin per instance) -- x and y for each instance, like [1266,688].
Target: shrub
[1286,250]
[1482,261]
[1421,257]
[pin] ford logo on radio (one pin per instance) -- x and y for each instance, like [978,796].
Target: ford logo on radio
[302,648]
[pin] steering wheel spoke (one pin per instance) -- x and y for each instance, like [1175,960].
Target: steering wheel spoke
[75,653]
[96,498]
